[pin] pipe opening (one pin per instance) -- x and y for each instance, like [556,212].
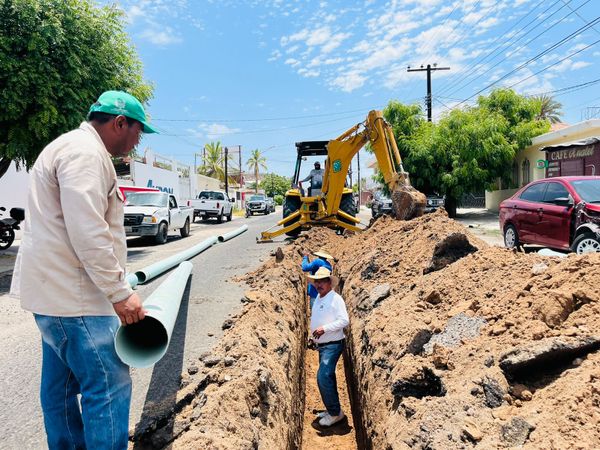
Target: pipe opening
[142,344]
[141,277]
[221,239]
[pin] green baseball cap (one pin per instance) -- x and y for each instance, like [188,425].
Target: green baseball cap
[122,103]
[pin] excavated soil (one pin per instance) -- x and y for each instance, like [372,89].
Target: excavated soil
[451,344]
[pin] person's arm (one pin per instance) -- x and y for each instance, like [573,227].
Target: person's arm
[341,316]
[308,266]
[309,177]
[83,196]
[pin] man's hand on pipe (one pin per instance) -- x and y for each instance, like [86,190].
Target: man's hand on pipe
[130,310]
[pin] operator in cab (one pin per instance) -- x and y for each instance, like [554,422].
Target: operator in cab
[316,179]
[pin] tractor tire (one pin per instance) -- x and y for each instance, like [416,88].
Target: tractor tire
[290,206]
[349,207]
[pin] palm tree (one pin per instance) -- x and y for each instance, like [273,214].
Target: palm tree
[548,108]
[256,161]
[212,161]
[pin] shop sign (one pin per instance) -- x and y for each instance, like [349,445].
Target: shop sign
[571,153]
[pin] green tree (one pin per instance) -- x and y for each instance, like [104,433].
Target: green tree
[255,162]
[467,150]
[274,184]
[56,58]
[213,161]
[548,108]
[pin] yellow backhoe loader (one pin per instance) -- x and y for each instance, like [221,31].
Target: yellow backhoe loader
[333,206]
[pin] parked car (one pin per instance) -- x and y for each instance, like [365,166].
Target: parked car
[213,204]
[434,202]
[561,213]
[257,203]
[154,214]
[271,204]
[380,204]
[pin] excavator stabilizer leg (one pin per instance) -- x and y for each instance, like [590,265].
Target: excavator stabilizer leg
[408,203]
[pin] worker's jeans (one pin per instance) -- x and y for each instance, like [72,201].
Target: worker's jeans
[328,358]
[79,358]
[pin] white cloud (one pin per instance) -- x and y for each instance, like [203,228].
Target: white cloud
[216,130]
[350,81]
[162,38]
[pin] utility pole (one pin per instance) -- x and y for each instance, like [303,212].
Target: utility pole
[226,177]
[428,69]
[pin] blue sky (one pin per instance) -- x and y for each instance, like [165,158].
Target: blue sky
[265,74]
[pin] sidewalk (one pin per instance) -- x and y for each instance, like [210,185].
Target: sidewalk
[482,223]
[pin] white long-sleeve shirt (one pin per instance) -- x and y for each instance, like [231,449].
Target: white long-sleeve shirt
[330,313]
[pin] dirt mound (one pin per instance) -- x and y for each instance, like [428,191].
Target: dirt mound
[451,344]
[426,358]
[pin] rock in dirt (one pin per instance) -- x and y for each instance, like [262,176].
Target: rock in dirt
[545,356]
[493,392]
[227,324]
[471,430]
[377,295]
[516,432]
[211,361]
[192,370]
[458,328]
[452,248]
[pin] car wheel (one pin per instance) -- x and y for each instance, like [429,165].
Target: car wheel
[511,237]
[220,217]
[7,236]
[230,215]
[185,230]
[586,243]
[161,236]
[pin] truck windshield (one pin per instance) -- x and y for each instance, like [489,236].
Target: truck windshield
[210,195]
[588,190]
[257,198]
[147,199]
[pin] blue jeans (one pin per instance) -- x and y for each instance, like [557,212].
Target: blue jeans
[79,358]
[328,358]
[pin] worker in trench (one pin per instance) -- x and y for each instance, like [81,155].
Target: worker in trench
[328,319]
[323,259]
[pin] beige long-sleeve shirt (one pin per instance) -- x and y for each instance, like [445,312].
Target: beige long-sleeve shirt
[73,251]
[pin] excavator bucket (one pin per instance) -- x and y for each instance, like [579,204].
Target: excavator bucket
[408,203]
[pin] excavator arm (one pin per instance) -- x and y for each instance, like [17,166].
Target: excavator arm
[376,131]
[333,207]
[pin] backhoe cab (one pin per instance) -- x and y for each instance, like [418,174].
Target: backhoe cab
[333,206]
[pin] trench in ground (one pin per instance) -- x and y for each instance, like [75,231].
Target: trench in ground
[345,435]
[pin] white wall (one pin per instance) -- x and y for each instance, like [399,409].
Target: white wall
[14,187]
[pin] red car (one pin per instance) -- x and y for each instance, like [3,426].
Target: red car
[561,213]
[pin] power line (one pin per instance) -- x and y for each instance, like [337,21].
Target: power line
[263,119]
[554,64]
[567,89]
[509,37]
[536,57]
[480,75]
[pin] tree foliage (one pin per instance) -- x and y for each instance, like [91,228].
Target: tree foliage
[56,58]
[274,184]
[468,149]
[548,108]
[213,160]
[255,162]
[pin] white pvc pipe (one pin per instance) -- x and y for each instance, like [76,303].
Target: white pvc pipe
[144,343]
[548,252]
[153,270]
[132,279]
[232,234]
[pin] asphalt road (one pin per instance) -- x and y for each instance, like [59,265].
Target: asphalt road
[210,297]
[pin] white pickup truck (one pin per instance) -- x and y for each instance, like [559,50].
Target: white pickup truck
[155,214]
[212,204]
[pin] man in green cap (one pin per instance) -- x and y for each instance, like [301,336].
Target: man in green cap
[70,273]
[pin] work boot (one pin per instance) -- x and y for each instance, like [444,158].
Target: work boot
[330,420]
